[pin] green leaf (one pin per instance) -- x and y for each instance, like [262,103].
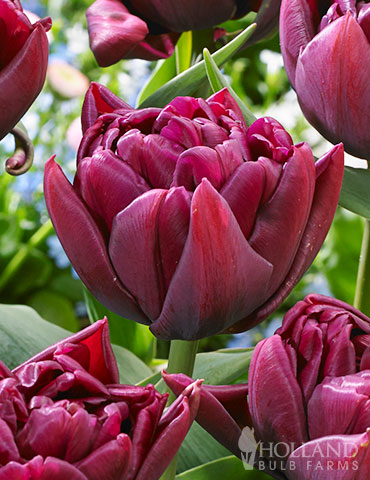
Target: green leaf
[355,193]
[55,309]
[218,82]
[124,332]
[183,52]
[222,367]
[187,82]
[199,447]
[164,72]
[23,333]
[131,368]
[224,468]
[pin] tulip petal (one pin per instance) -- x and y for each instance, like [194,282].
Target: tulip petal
[287,211]
[8,447]
[82,241]
[271,376]
[109,462]
[333,92]
[225,430]
[99,100]
[297,28]
[243,192]
[185,14]
[37,469]
[328,183]
[135,228]
[154,47]
[108,185]
[338,457]
[22,79]
[101,361]
[333,408]
[219,277]
[113,31]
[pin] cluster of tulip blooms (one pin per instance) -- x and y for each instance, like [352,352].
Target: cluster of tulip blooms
[189,220]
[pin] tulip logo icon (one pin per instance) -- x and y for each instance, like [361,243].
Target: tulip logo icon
[248,446]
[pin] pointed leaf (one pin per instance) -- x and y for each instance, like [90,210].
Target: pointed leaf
[218,82]
[355,193]
[187,82]
[183,52]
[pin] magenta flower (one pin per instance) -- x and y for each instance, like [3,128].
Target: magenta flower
[326,50]
[176,215]
[64,415]
[149,29]
[308,396]
[24,52]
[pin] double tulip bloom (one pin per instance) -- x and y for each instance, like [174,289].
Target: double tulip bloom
[23,62]
[63,415]
[326,51]
[185,219]
[308,396]
[149,29]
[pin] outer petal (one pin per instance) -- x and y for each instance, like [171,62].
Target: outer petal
[22,79]
[83,241]
[102,363]
[37,469]
[113,31]
[185,14]
[134,251]
[212,414]
[271,376]
[329,171]
[280,223]
[333,91]
[296,30]
[219,276]
[155,47]
[172,430]
[338,457]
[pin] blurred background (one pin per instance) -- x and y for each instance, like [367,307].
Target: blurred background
[33,267]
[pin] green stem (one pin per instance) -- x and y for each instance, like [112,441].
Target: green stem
[362,295]
[20,257]
[180,360]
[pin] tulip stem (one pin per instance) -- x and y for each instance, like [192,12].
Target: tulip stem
[180,360]
[19,258]
[182,356]
[362,295]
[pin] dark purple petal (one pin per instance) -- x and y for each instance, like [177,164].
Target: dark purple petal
[334,93]
[219,277]
[82,241]
[135,229]
[99,100]
[185,14]
[271,376]
[108,185]
[111,461]
[113,31]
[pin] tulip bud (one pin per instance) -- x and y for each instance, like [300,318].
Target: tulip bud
[189,238]
[23,62]
[326,51]
[64,415]
[149,29]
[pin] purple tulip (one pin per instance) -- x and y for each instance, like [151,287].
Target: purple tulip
[309,389]
[149,29]
[23,62]
[175,217]
[308,396]
[326,50]
[64,415]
